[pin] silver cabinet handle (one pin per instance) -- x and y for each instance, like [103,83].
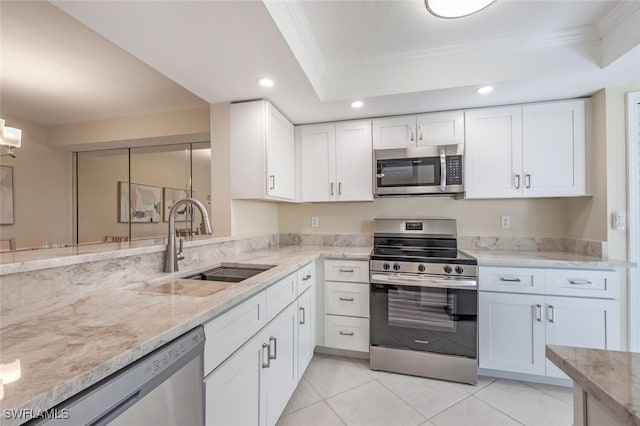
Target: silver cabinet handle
[517,183]
[510,280]
[443,171]
[346,270]
[411,133]
[580,282]
[420,134]
[538,313]
[306,277]
[304,319]
[268,363]
[275,348]
[272,182]
[347,299]
[331,188]
[339,188]
[551,313]
[346,333]
[527,180]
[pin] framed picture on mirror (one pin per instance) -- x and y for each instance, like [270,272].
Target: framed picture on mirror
[171,196]
[6,195]
[145,203]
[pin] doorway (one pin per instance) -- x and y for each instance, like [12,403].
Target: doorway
[633,138]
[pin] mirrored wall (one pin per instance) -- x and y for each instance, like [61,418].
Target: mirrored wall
[126,194]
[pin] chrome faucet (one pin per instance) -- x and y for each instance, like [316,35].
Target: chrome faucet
[171,257]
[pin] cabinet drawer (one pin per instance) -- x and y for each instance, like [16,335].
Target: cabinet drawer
[572,282]
[280,294]
[229,331]
[306,277]
[346,299]
[346,333]
[512,280]
[346,270]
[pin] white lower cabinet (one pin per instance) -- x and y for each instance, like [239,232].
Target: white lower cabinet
[253,385]
[515,327]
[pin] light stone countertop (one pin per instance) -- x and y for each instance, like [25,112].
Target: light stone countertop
[546,259]
[611,377]
[67,344]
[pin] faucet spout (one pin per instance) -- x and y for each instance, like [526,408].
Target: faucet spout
[171,259]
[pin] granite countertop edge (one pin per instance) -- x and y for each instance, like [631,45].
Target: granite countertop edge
[626,415]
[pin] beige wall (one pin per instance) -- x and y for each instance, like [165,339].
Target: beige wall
[221,169]
[253,218]
[42,190]
[541,217]
[139,130]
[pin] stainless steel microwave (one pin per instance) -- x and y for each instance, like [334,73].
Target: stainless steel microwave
[424,170]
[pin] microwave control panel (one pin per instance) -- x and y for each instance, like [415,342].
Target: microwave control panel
[454,170]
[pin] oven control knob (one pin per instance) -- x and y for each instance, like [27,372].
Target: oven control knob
[447,269]
[459,269]
[385,266]
[421,268]
[396,267]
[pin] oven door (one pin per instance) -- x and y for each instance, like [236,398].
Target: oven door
[438,319]
[424,170]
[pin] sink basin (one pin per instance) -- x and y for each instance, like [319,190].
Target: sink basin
[232,274]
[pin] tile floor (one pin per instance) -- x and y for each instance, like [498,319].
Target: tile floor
[343,391]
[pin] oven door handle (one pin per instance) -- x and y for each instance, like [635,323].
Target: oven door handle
[416,281]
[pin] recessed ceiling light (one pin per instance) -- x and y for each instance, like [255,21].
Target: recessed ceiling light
[356,104]
[484,90]
[265,82]
[456,9]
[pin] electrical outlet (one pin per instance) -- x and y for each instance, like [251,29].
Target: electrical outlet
[505,222]
[315,222]
[619,221]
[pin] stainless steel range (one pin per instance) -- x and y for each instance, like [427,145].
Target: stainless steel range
[424,301]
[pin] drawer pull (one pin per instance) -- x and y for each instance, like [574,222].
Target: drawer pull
[510,280]
[347,299]
[306,277]
[580,282]
[346,270]
[346,333]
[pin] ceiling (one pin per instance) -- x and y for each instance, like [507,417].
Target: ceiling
[321,54]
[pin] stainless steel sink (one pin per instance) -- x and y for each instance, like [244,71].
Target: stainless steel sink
[233,274]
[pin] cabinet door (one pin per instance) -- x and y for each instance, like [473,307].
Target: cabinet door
[232,391]
[306,326]
[318,162]
[554,147]
[585,323]
[279,380]
[394,132]
[493,153]
[511,332]
[441,128]
[354,161]
[280,155]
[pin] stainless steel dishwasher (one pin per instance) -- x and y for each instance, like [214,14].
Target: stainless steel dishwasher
[163,388]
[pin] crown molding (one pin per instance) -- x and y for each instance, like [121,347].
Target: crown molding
[616,16]
[504,45]
[292,22]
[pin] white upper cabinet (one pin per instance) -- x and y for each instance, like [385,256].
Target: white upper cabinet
[554,149]
[437,128]
[336,162]
[536,150]
[493,153]
[262,152]
[440,128]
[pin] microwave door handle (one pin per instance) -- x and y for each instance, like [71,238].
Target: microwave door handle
[443,170]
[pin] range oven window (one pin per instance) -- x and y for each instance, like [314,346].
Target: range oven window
[427,319]
[408,172]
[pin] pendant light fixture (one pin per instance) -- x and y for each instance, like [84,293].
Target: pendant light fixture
[449,9]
